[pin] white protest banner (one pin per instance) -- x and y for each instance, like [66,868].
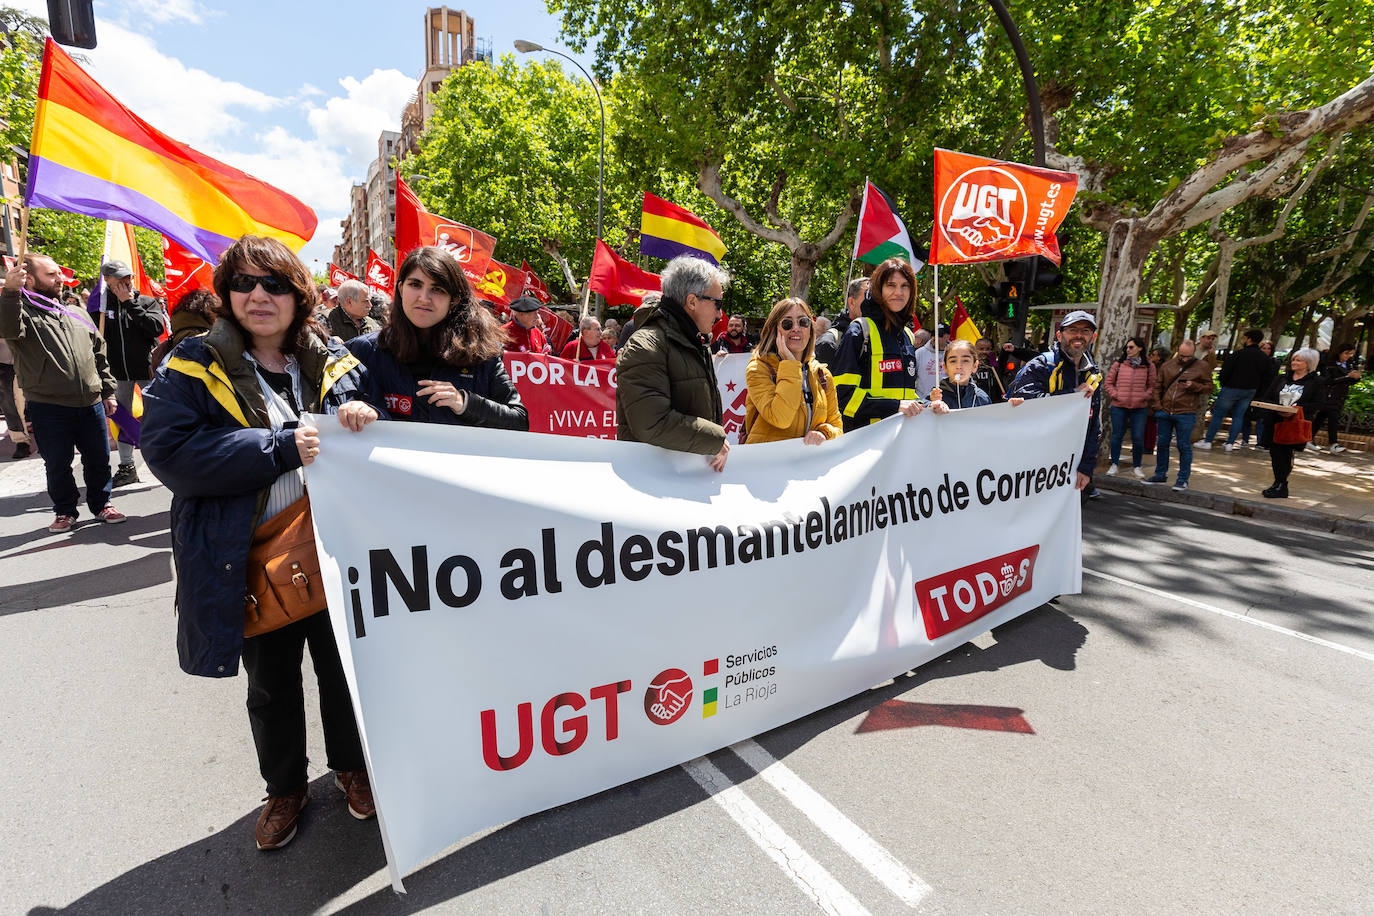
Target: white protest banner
[734,392]
[512,647]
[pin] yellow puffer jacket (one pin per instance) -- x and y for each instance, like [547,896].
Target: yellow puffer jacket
[776,409]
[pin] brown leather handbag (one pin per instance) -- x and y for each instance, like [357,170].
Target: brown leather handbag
[284,583]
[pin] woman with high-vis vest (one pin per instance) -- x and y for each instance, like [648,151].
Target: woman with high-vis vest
[875,363]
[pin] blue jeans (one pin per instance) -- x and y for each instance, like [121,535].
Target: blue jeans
[60,432]
[1136,416]
[1232,402]
[1179,425]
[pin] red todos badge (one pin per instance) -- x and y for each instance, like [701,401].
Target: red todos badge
[668,696]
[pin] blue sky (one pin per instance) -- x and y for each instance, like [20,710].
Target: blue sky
[294,93]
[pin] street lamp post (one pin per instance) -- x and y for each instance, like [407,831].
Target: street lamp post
[525,47]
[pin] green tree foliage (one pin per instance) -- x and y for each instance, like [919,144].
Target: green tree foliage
[512,151]
[78,242]
[21,60]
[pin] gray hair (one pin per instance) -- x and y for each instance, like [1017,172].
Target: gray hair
[688,276]
[1307,355]
[353,291]
[856,288]
[587,322]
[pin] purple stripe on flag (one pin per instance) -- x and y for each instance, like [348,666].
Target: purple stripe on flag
[61,188]
[668,249]
[127,424]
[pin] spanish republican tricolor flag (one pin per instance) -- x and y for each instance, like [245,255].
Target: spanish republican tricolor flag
[668,231]
[89,154]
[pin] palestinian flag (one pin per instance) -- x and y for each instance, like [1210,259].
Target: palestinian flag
[882,234]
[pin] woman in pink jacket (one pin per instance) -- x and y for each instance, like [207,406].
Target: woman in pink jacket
[1129,383]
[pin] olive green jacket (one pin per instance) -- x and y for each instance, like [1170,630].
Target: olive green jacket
[59,356]
[666,392]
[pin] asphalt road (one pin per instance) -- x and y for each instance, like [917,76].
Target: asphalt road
[1202,744]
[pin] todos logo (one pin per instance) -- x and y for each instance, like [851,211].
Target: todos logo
[668,696]
[983,212]
[955,599]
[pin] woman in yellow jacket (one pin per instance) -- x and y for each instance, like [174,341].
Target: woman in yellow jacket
[791,395]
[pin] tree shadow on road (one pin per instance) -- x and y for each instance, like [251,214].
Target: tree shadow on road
[88,585]
[226,873]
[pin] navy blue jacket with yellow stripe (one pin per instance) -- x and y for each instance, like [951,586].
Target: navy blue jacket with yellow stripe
[871,382]
[1049,374]
[206,435]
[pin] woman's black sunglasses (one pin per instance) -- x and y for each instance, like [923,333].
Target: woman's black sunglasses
[272,284]
[802,322]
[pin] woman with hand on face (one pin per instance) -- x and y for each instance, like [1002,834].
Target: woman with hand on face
[958,391]
[791,395]
[875,363]
[221,428]
[438,360]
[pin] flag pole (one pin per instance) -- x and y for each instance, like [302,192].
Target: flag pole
[936,330]
[23,232]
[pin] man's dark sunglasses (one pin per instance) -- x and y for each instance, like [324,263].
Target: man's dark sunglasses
[272,284]
[716,299]
[802,322]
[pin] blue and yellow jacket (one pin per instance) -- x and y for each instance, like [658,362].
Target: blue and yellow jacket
[206,435]
[871,382]
[1051,374]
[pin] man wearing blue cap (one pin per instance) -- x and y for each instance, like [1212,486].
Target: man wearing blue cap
[1068,368]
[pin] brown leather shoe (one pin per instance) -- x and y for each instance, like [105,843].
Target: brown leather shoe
[358,791]
[277,823]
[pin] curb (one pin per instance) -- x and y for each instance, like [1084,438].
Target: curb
[1245,508]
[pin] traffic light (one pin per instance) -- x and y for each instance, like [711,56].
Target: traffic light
[72,22]
[1005,297]
[1035,273]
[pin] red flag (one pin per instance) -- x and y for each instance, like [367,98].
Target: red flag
[533,285]
[184,271]
[415,226]
[68,277]
[556,331]
[986,210]
[380,276]
[337,275]
[618,280]
[721,326]
[501,285]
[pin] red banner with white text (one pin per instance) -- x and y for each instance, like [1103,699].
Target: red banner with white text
[563,397]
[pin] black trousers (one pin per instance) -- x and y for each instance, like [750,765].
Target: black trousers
[1331,416]
[276,702]
[1281,460]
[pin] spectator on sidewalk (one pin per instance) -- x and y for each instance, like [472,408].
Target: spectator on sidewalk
[1245,372]
[1067,368]
[59,357]
[666,390]
[1255,419]
[1340,375]
[1180,385]
[1130,384]
[9,406]
[1301,387]
[351,317]
[133,323]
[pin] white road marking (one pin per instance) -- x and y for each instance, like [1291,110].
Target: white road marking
[805,872]
[879,863]
[1275,628]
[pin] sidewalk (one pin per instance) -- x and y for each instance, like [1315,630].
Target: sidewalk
[1329,492]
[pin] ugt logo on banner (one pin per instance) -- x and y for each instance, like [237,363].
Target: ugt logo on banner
[988,210]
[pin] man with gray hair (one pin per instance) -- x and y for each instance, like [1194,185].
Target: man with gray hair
[588,343]
[666,391]
[350,319]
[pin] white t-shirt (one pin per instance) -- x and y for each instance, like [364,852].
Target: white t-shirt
[926,367]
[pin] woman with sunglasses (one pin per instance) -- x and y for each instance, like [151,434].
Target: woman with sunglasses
[438,360]
[875,363]
[1130,382]
[791,395]
[221,428]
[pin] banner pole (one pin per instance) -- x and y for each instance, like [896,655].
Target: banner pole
[935,331]
[23,232]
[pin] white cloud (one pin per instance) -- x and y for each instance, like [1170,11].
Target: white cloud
[369,106]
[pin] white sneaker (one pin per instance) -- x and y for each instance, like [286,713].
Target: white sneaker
[1203,444]
[1138,472]
[1337,449]
[1227,447]
[1111,471]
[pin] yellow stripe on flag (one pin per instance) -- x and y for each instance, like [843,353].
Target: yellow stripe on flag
[685,233]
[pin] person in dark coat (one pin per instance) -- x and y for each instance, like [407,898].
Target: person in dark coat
[221,430]
[1245,372]
[1339,375]
[132,324]
[666,390]
[1301,386]
[1068,368]
[875,363]
[438,360]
